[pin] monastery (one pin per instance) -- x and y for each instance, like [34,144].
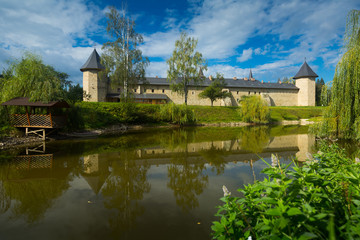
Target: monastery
[157,90]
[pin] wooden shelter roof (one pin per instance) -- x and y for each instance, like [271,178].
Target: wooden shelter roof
[22,101]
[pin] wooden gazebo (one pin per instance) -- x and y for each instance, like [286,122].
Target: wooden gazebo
[39,121]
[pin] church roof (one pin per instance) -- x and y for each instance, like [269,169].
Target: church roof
[93,62]
[250,75]
[230,83]
[305,71]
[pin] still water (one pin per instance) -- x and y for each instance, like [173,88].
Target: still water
[154,184]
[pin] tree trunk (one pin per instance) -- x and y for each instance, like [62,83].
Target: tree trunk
[186,92]
[212,102]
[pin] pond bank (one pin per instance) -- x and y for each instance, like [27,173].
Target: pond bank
[17,141]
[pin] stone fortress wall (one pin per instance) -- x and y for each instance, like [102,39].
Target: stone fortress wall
[276,94]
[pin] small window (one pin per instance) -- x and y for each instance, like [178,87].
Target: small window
[144,90]
[237,92]
[118,89]
[152,90]
[135,90]
[259,93]
[254,92]
[249,93]
[192,93]
[163,90]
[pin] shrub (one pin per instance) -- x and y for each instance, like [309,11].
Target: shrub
[319,200]
[254,110]
[177,114]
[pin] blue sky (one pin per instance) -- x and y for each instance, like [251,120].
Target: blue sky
[271,37]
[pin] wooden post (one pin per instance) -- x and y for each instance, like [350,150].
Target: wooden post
[27,115]
[43,136]
[51,122]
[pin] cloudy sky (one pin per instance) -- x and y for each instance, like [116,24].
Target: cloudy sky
[270,37]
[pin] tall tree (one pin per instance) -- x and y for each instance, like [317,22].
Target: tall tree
[318,91]
[215,89]
[30,77]
[122,57]
[185,65]
[343,114]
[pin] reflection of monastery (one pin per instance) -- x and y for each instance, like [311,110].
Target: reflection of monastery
[157,90]
[96,168]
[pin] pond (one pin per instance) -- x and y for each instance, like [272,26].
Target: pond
[154,184]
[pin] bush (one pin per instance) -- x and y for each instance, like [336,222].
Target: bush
[177,114]
[319,200]
[254,110]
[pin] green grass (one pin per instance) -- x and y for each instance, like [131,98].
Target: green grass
[295,113]
[207,114]
[88,115]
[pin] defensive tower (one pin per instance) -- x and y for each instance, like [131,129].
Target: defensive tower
[95,89]
[305,81]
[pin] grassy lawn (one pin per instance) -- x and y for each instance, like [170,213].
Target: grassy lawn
[207,114]
[295,113]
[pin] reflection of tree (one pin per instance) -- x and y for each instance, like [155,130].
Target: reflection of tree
[32,190]
[123,190]
[177,138]
[254,139]
[186,180]
[215,157]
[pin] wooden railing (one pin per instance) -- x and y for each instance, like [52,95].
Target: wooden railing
[33,161]
[37,120]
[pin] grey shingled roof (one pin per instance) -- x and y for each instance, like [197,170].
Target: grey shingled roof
[23,101]
[93,62]
[142,96]
[230,83]
[305,71]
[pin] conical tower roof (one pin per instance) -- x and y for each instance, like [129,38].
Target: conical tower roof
[250,75]
[201,74]
[93,62]
[305,71]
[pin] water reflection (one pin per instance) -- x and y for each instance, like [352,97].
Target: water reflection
[127,176]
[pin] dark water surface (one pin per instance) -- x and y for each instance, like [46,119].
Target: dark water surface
[156,184]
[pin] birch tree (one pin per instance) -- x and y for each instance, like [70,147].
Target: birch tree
[185,65]
[122,57]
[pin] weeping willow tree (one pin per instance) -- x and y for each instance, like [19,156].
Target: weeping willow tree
[342,118]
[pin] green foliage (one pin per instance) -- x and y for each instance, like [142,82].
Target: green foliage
[185,65]
[30,77]
[254,109]
[320,83]
[122,57]
[319,200]
[214,91]
[178,114]
[345,95]
[325,95]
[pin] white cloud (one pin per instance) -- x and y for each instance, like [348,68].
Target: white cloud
[157,69]
[295,29]
[246,55]
[51,29]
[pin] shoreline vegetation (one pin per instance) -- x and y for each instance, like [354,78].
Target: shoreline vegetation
[90,119]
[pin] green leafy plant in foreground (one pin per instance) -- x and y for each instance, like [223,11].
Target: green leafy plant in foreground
[319,200]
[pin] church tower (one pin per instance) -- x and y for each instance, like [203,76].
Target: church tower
[305,81]
[94,88]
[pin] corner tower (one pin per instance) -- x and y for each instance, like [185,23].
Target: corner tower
[305,81]
[95,90]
